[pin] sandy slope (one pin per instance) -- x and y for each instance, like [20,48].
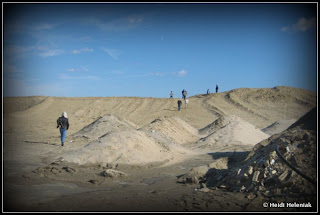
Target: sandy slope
[279,126]
[232,131]
[152,127]
[260,107]
[134,131]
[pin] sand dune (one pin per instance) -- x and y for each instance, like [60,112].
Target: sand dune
[119,142]
[116,140]
[279,126]
[238,114]
[260,107]
[230,131]
[104,125]
[127,146]
[143,133]
[174,129]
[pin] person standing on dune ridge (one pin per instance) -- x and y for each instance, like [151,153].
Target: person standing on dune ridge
[184,94]
[63,124]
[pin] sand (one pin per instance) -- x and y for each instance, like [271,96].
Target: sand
[130,153]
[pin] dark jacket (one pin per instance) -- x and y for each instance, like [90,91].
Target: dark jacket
[63,122]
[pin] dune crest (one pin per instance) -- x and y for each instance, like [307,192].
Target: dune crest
[174,129]
[104,125]
[230,131]
[130,146]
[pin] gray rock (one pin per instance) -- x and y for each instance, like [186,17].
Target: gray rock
[284,175]
[255,177]
[195,180]
[93,181]
[55,170]
[69,169]
[250,170]
[112,165]
[113,173]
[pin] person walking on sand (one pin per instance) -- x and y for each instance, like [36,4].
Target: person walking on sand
[171,95]
[186,102]
[208,92]
[184,94]
[217,88]
[63,124]
[179,104]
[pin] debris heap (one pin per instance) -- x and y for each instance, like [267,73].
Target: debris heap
[285,164]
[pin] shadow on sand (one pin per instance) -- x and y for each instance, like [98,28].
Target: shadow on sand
[46,143]
[234,158]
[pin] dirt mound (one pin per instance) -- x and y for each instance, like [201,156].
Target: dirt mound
[229,131]
[126,147]
[262,106]
[103,125]
[14,104]
[284,165]
[308,121]
[278,126]
[216,125]
[173,129]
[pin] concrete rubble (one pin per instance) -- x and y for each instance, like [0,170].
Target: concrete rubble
[263,172]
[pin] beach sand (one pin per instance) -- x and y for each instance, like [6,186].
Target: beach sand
[142,154]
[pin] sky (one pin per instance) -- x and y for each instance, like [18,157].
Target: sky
[150,49]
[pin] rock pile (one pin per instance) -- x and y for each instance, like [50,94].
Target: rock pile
[197,175]
[266,169]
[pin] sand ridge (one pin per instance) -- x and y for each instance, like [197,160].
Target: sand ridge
[228,131]
[148,141]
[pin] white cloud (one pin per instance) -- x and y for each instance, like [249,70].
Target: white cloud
[51,53]
[79,69]
[114,53]
[41,27]
[182,73]
[79,51]
[84,68]
[88,77]
[158,74]
[303,24]
[116,25]
[117,72]
[40,50]
[135,19]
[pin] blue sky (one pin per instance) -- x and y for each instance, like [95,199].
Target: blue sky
[147,50]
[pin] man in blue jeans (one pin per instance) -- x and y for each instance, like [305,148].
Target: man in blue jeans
[63,124]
